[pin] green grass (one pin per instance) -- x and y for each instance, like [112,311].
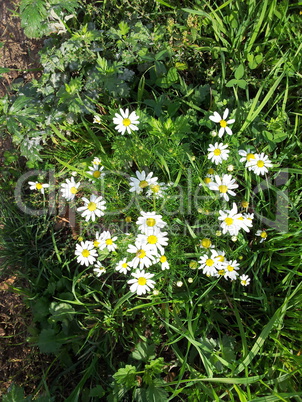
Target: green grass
[209,339]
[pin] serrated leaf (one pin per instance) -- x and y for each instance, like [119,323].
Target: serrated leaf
[47,341]
[97,391]
[126,376]
[61,311]
[143,352]
[124,28]
[15,394]
[239,72]
[155,393]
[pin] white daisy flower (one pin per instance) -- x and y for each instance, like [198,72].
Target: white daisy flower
[260,164]
[150,220]
[157,190]
[232,221]
[96,161]
[107,241]
[86,254]
[224,185]
[245,280]
[35,185]
[125,122]
[216,118]
[97,240]
[144,255]
[231,268]
[123,266]
[141,181]
[218,152]
[247,156]
[96,171]
[164,262]
[69,189]
[97,119]
[207,180]
[262,234]
[210,264]
[142,282]
[93,207]
[99,269]
[156,239]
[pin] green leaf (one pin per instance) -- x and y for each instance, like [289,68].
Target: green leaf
[154,393]
[124,28]
[239,72]
[47,341]
[97,391]
[170,79]
[61,311]
[126,376]
[143,352]
[15,394]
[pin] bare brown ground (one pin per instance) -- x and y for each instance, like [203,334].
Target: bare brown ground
[20,363]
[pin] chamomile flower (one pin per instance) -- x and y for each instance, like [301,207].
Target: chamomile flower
[262,234]
[142,282]
[260,164]
[35,185]
[107,241]
[94,207]
[99,269]
[232,221]
[218,152]
[247,156]
[97,119]
[141,181]
[164,262]
[209,263]
[207,180]
[157,190]
[206,243]
[150,221]
[231,268]
[224,185]
[86,253]
[216,118]
[125,121]
[245,280]
[96,171]
[123,266]
[144,255]
[98,239]
[157,240]
[69,189]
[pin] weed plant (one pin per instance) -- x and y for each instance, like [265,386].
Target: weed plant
[157,218]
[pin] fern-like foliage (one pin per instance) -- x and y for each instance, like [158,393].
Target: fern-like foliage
[37,16]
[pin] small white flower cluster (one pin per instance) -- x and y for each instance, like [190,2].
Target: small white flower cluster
[257,163]
[147,181]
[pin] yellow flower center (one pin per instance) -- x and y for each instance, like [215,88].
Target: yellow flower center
[73,190]
[223,123]
[96,174]
[250,156]
[152,239]
[92,206]
[244,204]
[243,281]
[155,188]
[217,152]
[220,258]
[109,242]
[209,262]
[263,235]
[39,186]
[128,219]
[207,180]
[221,272]
[143,184]
[193,264]
[223,188]
[150,222]
[229,221]
[142,281]
[126,122]
[141,253]
[85,253]
[206,243]
[163,258]
[124,265]
[96,243]
[211,171]
[230,268]
[260,164]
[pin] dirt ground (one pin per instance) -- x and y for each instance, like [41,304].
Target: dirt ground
[19,363]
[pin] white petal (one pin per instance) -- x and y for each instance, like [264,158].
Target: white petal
[225,113]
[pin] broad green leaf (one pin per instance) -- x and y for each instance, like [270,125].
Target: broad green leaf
[126,376]
[239,72]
